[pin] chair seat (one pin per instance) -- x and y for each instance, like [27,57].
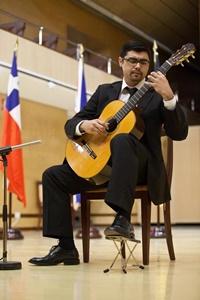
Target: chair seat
[101,192]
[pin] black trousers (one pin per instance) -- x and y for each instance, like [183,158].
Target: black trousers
[129,159]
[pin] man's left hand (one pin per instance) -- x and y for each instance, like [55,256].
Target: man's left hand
[159,82]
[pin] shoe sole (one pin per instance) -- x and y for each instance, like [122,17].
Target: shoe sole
[113,233]
[71,261]
[120,238]
[65,262]
[110,232]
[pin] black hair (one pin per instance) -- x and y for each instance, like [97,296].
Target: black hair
[135,46]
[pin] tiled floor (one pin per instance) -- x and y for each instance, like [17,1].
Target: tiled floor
[162,279]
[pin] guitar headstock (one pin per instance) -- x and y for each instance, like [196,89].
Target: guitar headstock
[182,54]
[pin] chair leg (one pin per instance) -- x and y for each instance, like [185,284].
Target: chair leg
[167,220]
[85,221]
[146,224]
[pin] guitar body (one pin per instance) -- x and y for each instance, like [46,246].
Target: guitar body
[89,154]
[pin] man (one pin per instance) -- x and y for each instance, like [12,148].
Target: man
[132,160]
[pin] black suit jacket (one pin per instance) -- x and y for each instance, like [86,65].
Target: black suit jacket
[155,117]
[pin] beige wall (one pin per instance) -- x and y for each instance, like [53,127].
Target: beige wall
[186,179]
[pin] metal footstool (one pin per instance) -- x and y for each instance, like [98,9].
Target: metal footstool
[121,244]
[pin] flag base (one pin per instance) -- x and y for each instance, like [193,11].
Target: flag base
[12,234]
[94,233]
[10,265]
[157,232]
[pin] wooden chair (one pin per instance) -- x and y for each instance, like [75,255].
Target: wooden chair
[141,193]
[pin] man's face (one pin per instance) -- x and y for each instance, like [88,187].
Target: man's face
[135,66]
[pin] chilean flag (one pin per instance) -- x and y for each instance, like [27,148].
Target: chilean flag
[12,135]
[81,101]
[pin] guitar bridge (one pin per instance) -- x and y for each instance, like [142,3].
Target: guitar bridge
[88,149]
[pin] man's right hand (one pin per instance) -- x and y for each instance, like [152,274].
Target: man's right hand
[95,126]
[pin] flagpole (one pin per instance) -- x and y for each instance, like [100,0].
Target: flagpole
[16,45]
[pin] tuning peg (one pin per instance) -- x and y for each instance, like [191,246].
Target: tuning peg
[182,65]
[187,60]
[193,56]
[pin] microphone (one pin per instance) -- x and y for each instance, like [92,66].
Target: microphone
[111,125]
[7,149]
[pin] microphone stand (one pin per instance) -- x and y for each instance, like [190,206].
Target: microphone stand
[4,151]
[13,233]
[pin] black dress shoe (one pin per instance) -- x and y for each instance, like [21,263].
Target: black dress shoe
[120,227]
[56,256]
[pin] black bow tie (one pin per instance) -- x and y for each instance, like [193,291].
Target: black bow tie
[131,91]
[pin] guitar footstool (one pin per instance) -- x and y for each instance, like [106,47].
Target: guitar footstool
[121,244]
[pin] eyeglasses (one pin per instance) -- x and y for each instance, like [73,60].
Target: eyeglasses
[134,61]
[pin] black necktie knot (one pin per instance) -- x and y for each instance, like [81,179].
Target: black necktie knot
[131,91]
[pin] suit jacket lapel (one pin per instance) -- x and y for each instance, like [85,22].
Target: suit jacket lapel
[115,90]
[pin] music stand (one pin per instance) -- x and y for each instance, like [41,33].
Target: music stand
[4,264]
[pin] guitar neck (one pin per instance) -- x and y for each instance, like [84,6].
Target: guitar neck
[134,100]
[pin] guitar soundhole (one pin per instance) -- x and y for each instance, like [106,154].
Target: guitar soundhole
[112,124]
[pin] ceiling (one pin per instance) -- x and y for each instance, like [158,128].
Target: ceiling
[170,22]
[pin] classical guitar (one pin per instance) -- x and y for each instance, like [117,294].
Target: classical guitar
[89,154]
